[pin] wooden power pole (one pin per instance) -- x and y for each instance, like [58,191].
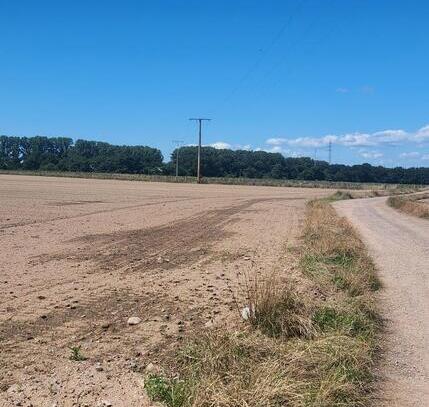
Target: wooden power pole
[178,146]
[199,120]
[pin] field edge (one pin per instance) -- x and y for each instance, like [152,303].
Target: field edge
[307,340]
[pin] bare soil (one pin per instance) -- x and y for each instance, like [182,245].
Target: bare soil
[399,244]
[78,257]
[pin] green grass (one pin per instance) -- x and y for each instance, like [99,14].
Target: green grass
[172,392]
[76,354]
[349,322]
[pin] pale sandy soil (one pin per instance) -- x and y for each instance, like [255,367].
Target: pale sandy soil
[78,257]
[399,243]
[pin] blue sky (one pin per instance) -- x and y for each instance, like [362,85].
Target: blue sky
[287,76]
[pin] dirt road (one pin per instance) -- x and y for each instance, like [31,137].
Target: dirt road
[79,257]
[399,244]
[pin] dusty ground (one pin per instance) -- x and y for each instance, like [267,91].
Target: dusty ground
[79,257]
[399,243]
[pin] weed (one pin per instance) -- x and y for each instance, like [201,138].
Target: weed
[76,354]
[172,392]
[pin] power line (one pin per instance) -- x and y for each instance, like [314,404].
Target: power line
[199,120]
[263,52]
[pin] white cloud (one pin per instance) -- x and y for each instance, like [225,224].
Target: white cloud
[312,141]
[220,145]
[342,90]
[285,151]
[373,155]
[306,142]
[425,157]
[296,154]
[422,134]
[275,149]
[392,137]
[356,140]
[412,154]
[246,147]
[276,141]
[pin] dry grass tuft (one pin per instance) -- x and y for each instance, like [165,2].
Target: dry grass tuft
[298,349]
[412,204]
[276,308]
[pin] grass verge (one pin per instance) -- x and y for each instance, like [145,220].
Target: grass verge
[412,204]
[307,342]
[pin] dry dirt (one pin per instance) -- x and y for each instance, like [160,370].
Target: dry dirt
[399,244]
[79,257]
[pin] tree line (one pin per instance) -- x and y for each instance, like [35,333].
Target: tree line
[262,164]
[62,154]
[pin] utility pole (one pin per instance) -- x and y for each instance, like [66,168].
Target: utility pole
[178,146]
[330,152]
[199,120]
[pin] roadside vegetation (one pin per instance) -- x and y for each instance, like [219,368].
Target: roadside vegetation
[341,195]
[416,205]
[308,338]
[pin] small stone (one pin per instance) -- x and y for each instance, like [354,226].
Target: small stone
[151,368]
[245,313]
[105,325]
[209,324]
[134,321]
[98,367]
[41,297]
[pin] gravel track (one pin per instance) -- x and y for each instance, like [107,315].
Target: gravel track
[399,244]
